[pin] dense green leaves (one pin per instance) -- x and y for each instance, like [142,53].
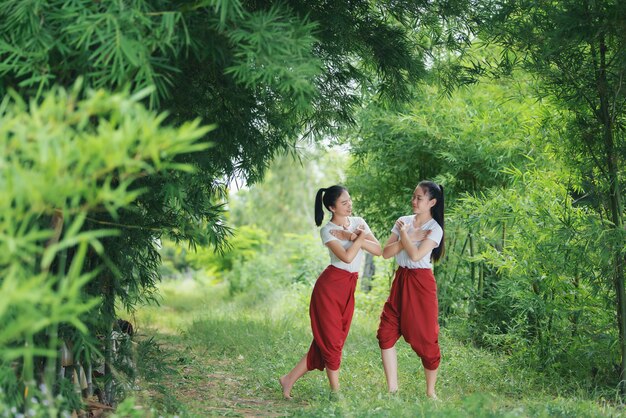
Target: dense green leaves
[463,141]
[576,49]
[544,282]
[275,51]
[73,154]
[109,44]
[266,71]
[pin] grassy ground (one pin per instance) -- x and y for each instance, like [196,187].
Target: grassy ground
[225,357]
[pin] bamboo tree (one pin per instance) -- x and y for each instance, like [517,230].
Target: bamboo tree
[51,162]
[578,51]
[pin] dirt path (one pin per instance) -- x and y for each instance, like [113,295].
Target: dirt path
[207,387]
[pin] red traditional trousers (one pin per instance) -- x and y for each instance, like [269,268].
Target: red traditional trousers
[411,311]
[331,309]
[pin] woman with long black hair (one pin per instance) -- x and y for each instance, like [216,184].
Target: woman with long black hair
[411,310]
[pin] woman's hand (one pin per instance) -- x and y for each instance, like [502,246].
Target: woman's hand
[402,227]
[347,255]
[343,234]
[416,235]
[346,235]
[419,235]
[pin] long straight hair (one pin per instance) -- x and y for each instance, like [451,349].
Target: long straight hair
[435,191]
[330,196]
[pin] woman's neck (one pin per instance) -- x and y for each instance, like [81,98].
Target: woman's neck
[422,218]
[339,220]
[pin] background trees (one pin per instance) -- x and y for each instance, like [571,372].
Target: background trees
[577,52]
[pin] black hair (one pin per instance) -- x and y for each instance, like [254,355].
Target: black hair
[331,195]
[435,191]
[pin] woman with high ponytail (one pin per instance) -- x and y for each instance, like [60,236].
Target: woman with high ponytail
[411,311]
[319,211]
[332,300]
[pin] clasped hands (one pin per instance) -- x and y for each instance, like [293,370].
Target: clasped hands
[415,235]
[347,235]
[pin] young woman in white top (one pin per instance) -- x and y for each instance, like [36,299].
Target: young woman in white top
[332,300]
[411,310]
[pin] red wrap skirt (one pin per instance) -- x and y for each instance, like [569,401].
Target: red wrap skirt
[331,310]
[411,311]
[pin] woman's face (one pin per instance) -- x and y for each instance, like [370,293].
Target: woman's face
[421,201]
[343,205]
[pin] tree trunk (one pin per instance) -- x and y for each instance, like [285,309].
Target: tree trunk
[472,264]
[368,272]
[615,205]
[53,365]
[481,280]
[618,279]
[108,313]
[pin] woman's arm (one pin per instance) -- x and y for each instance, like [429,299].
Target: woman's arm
[371,244]
[346,255]
[392,247]
[416,253]
[344,234]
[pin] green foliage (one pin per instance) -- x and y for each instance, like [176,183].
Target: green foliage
[246,243]
[10,394]
[207,265]
[52,42]
[265,70]
[263,61]
[283,202]
[549,292]
[68,398]
[576,50]
[154,366]
[371,301]
[69,155]
[292,259]
[128,409]
[462,141]
[41,403]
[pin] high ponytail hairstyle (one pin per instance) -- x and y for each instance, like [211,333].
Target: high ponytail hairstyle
[328,197]
[435,191]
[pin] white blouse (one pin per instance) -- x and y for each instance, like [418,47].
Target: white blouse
[436,234]
[326,236]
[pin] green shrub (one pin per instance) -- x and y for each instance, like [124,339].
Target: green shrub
[66,157]
[292,259]
[544,293]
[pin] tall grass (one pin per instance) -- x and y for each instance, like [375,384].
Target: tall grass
[244,345]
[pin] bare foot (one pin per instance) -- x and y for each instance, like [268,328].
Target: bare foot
[286,387]
[432,396]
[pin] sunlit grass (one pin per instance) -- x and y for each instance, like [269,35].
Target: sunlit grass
[236,348]
[180,302]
